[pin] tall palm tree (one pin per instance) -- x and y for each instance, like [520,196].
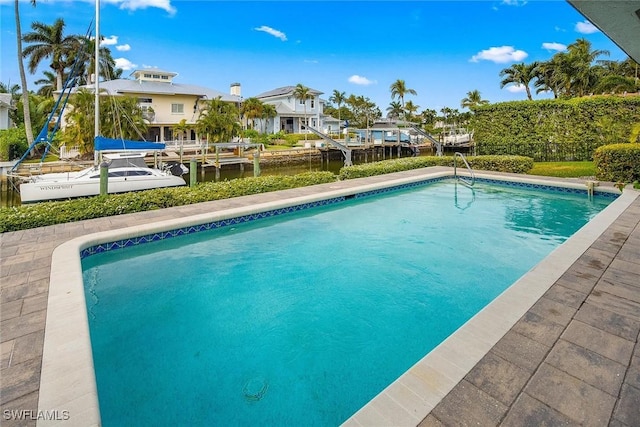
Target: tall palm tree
[23,78]
[303,93]
[47,84]
[49,41]
[338,98]
[399,89]
[473,99]
[85,48]
[520,74]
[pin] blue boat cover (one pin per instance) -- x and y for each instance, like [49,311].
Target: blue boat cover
[101,143]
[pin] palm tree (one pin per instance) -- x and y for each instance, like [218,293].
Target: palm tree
[410,108]
[399,89]
[303,93]
[582,58]
[338,98]
[520,74]
[218,121]
[251,110]
[23,78]
[268,112]
[85,47]
[473,99]
[394,110]
[47,84]
[48,41]
[428,116]
[182,128]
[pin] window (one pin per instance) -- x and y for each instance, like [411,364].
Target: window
[165,77]
[145,100]
[177,108]
[147,76]
[156,76]
[302,101]
[313,103]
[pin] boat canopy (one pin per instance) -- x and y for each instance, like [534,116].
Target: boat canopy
[110,144]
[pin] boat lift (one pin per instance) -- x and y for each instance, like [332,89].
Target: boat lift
[346,151]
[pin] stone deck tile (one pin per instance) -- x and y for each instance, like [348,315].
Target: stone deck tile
[579,344]
[604,327]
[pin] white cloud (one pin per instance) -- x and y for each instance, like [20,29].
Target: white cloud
[586,27]
[554,46]
[123,48]
[500,55]
[360,80]
[109,41]
[125,64]
[275,33]
[514,2]
[134,5]
[516,88]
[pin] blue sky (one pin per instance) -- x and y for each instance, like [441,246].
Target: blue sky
[442,49]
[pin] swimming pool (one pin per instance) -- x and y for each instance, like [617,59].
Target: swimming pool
[421,269]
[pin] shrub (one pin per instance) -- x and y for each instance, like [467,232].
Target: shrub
[13,143]
[618,162]
[49,213]
[514,164]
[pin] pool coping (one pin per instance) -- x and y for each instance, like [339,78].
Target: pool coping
[68,379]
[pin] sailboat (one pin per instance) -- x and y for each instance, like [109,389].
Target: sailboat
[125,159]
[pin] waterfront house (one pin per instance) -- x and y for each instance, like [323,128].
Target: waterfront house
[291,110]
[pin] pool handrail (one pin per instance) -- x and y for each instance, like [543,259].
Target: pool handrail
[455,170]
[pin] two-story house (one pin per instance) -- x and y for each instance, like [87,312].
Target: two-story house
[291,111]
[166,103]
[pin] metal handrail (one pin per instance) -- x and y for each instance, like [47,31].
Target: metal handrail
[455,170]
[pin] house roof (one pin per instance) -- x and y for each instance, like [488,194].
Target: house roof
[153,71]
[619,20]
[125,87]
[285,90]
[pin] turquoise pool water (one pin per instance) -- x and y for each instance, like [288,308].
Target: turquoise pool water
[301,319]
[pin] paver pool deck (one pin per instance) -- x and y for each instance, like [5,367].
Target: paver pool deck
[572,358]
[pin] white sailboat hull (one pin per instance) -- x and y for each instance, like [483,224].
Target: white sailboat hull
[55,186]
[57,189]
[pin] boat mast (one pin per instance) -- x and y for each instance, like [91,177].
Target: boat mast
[96,76]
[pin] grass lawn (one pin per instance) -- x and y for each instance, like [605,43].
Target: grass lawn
[564,169]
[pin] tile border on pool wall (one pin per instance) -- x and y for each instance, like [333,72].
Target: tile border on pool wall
[148,238]
[162,235]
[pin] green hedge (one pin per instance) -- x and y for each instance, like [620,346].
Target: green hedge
[13,143]
[49,213]
[514,164]
[618,162]
[555,129]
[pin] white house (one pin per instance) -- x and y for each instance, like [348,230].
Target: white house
[5,106]
[291,111]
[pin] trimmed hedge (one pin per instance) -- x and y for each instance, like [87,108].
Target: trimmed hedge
[543,129]
[50,213]
[618,162]
[513,164]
